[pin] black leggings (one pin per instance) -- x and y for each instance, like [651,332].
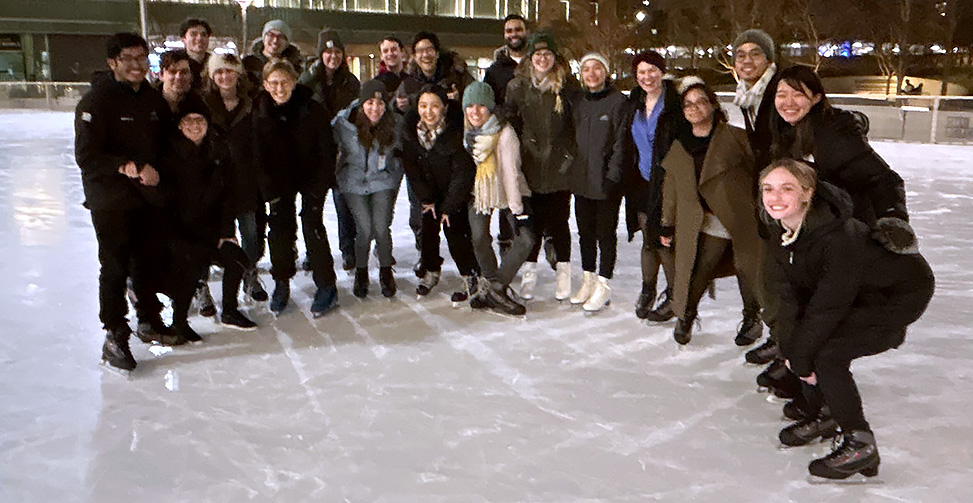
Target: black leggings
[457,239]
[597,230]
[549,217]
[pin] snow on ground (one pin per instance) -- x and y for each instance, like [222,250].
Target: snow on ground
[413,401]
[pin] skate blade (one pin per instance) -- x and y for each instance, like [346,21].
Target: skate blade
[107,367]
[501,314]
[240,329]
[774,399]
[854,480]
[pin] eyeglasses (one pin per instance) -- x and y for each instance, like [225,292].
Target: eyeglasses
[129,59]
[696,104]
[752,55]
[197,120]
[279,84]
[543,53]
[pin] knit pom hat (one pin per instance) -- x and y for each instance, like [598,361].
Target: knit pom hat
[597,57]
[227,61]
[277,25]
[758,37]
[329,39]
[370,89]
[479,93]
[651,57]
[541,40]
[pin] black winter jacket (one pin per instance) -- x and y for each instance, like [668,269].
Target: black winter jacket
[294,148]
[198,186]
[115,124]
[843,157]
[337,95]
[443,175]
[641,195]
[599,122]
[500,73]
[235,129]
[451,72]
[835,282]
[760,133]
[254,63]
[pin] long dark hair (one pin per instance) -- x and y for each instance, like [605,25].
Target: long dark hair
[798,140]
[384,131]
[714,101]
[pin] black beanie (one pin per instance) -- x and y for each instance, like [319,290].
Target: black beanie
[651,57]
[370,89]
[192,104]
[329,39]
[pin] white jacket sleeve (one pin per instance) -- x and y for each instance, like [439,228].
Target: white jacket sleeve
[508,158]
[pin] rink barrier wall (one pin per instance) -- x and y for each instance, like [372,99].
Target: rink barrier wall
[923,119]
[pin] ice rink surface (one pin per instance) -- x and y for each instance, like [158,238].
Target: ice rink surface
[412,401]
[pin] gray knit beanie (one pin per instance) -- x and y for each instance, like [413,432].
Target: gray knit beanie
[479,93]
[760,38]
[277,25]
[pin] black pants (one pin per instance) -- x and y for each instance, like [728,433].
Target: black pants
[549,217]
[189,264]
[127,246]
[415,215]
[653,256]
[346,226]
[457,239]
[282,240]
[253,233]
[836,386]
[506,233]
[597,231]
[709,252]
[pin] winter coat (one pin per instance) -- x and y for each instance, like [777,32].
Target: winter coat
[500,73]
[335,96]
[359,171]
[547,141]
[641,195]
[198,185]
[235,129]
[836,283]
[391,80]
[512,185]
[450,71]
[294,149]
[760,132]
[198,69]
[254,63]
[444,174]
[115,124]
[725,184]
[599,122]
[843,157]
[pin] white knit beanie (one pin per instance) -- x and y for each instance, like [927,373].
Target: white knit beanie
[599,58]
[220,62]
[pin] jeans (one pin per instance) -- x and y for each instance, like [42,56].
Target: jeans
[282,239]
[597,230]
[521,244]
[373,221]
[346,225]
[253,230]
[549,217]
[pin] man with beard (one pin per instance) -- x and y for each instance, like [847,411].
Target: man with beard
[507,58]
[432,65]
[195,35]
[393,63]
[274,42]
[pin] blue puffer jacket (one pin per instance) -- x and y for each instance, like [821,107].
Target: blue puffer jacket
[361,172]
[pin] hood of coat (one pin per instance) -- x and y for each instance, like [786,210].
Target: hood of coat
[449,62]
[502,55]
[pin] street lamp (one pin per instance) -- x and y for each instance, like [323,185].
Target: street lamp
[244,5]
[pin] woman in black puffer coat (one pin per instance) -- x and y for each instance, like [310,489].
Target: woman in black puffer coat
[842,295]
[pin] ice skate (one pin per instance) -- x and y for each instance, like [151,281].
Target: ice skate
[204,301]
[282,294]
[808,430]
[588,281]
[252,286]
[186,333]
[601,297]
[325,301]
[386,279]
[115,353]
[528,280]
[154,331]
[749,331]
[429,280]
[763,354]
[857,453]
[233,318]
[462,296]
[562,285]
[500,301]
[663,309]
[360,288]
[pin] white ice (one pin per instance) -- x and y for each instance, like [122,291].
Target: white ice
[413,401]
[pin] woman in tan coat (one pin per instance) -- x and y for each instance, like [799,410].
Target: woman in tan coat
[708,211]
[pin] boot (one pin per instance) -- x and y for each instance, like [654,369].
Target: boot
[683,331]
[427,283]
[232,317]
[186,333]
[253,287]
[325,301]
[480,298]
[750,329]
[282,294]
[155,331]
[528,280]
[387,281]
[644,303]
[600,297]
[562,288]
[588,280]
[204,301]
[798,409]
[662,311]
[501,301]
[763,354]
[808,430]
[469,288]
[857,453]
[115,351]
[348,262]
[418,270]
[780,380]
[361,283]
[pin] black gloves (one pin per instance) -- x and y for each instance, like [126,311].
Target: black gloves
[896,235]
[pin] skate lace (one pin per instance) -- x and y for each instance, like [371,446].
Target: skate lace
[664,296]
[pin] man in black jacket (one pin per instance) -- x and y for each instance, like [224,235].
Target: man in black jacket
[118,129]
[755,67]
[274,42]
[393,63]
[195,35]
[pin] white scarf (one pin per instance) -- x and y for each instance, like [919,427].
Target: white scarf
[748,99]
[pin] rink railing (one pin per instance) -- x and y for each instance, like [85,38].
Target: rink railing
[925,119]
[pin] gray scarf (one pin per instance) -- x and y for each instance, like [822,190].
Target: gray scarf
[749,99]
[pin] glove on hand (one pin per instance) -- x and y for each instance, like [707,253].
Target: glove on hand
[896,235]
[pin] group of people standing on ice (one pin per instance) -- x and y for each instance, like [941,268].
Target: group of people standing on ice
[812,222]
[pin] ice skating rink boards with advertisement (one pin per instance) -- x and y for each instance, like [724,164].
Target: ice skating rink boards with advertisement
[408,401]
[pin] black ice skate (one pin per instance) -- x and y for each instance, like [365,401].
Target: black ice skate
[763,354]
[857,453]
[749,331]
[386,279]
[808,430]
[234,318]
[115,353]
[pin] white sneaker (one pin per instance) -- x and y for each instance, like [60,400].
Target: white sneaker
[563,288]
[588,280]
[528,280]
[601,297]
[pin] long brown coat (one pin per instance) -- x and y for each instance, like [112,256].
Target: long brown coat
[726,184]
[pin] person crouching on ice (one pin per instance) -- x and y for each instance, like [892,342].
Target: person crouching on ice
[845,292]
[200,209]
